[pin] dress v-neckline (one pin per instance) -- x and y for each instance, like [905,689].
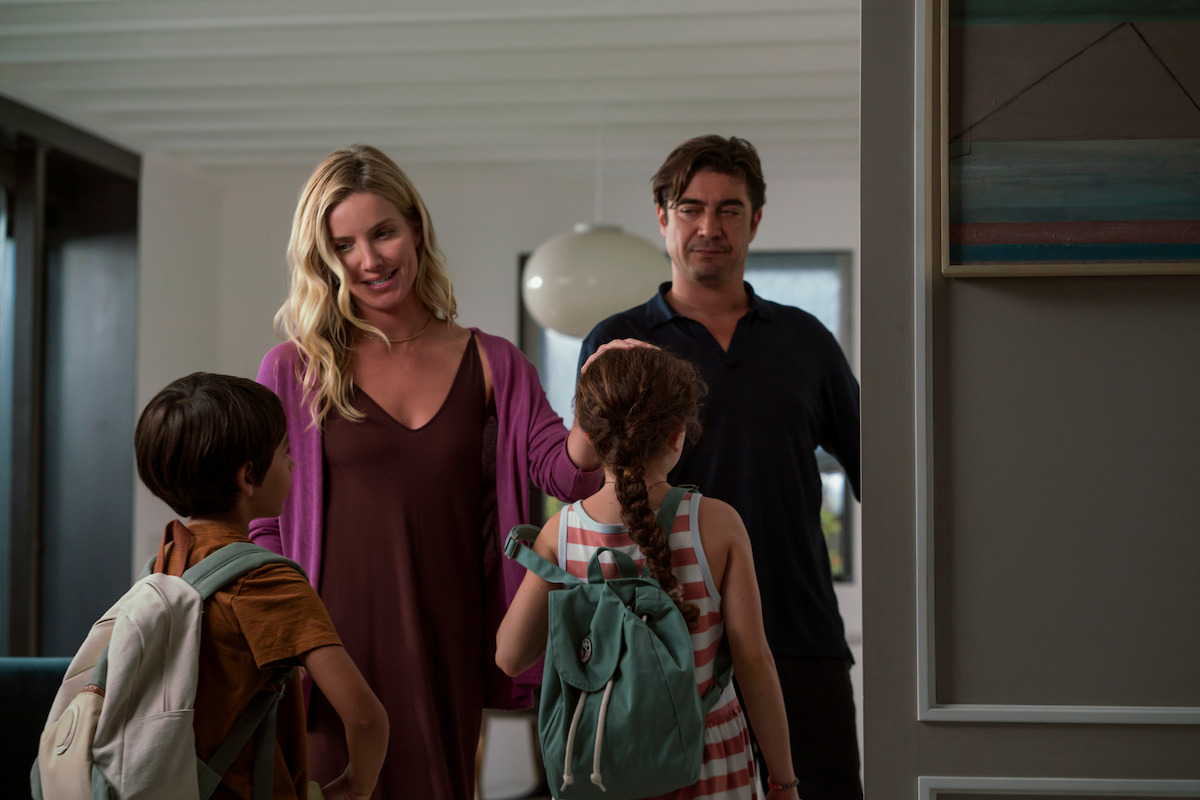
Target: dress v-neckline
[462,365]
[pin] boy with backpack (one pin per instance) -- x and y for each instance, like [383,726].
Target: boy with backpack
[214,448]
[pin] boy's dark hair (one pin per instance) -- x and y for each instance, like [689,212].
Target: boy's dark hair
[732,156]
[630,402]
[195,434]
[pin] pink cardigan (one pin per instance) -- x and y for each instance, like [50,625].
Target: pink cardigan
[530,444]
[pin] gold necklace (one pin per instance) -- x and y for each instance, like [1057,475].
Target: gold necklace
[410,338]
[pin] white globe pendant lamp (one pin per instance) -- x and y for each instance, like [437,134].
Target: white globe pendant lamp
[574,280]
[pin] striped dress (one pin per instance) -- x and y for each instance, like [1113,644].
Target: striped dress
[728,768]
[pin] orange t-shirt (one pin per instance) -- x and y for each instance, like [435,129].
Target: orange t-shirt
[269,616]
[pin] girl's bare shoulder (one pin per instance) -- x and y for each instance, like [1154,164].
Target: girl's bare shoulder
[719,513]
[546,545]
[721,527]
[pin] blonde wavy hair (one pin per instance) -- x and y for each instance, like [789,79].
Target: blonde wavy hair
[319,314]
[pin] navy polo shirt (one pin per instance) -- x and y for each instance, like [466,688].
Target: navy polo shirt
[782,389]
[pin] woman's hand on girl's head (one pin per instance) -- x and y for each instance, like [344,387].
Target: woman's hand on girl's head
[616,344]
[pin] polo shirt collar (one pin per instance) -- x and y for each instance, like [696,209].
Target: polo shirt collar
[659,311]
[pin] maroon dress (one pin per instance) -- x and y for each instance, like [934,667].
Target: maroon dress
[402,577]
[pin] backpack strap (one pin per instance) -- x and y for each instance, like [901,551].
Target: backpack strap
[670,506]
[213,572]
[225,565]
[209,575]
[625,565]
[520,540]
[723,661]
[666,516]
[257,720]
[519,547]
[229,563]
[722,675]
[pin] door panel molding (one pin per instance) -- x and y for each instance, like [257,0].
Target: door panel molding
[930,787]
[929,180]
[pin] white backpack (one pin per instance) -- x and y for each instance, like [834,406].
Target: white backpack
[121,723]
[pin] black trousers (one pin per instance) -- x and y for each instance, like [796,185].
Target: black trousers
[819,700]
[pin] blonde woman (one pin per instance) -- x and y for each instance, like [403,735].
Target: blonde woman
[414,440]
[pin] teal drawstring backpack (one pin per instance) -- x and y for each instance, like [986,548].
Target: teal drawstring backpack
[619,717]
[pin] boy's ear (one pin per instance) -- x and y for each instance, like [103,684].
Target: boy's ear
[244,484]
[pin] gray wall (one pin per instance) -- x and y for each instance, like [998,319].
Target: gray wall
[1067,450]
[1060,512]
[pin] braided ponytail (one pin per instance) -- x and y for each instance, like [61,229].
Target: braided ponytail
[647,535]
[630,402]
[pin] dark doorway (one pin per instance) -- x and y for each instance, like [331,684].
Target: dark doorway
[70,284]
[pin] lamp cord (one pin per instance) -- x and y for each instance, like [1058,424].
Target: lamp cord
[599,171]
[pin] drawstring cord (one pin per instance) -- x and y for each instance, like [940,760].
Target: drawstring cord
[568,778]
[596,779]
[601,721]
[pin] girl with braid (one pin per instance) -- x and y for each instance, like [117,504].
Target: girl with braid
[637,405]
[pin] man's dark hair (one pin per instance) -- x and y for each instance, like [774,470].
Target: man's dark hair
[194,436]
[732,156]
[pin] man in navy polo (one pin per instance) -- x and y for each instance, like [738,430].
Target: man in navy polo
[779,386]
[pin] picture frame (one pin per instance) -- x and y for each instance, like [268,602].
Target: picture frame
[1062,138]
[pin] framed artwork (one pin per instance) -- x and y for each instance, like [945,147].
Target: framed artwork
[1063,136]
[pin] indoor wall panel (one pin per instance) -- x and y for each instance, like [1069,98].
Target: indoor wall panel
[1065,553]
[1029,515]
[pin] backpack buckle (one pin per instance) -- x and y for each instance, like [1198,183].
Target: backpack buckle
[515,539]
[512,544]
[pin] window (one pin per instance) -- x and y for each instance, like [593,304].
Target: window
[816,281]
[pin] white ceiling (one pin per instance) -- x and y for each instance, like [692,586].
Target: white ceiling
[556,84]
